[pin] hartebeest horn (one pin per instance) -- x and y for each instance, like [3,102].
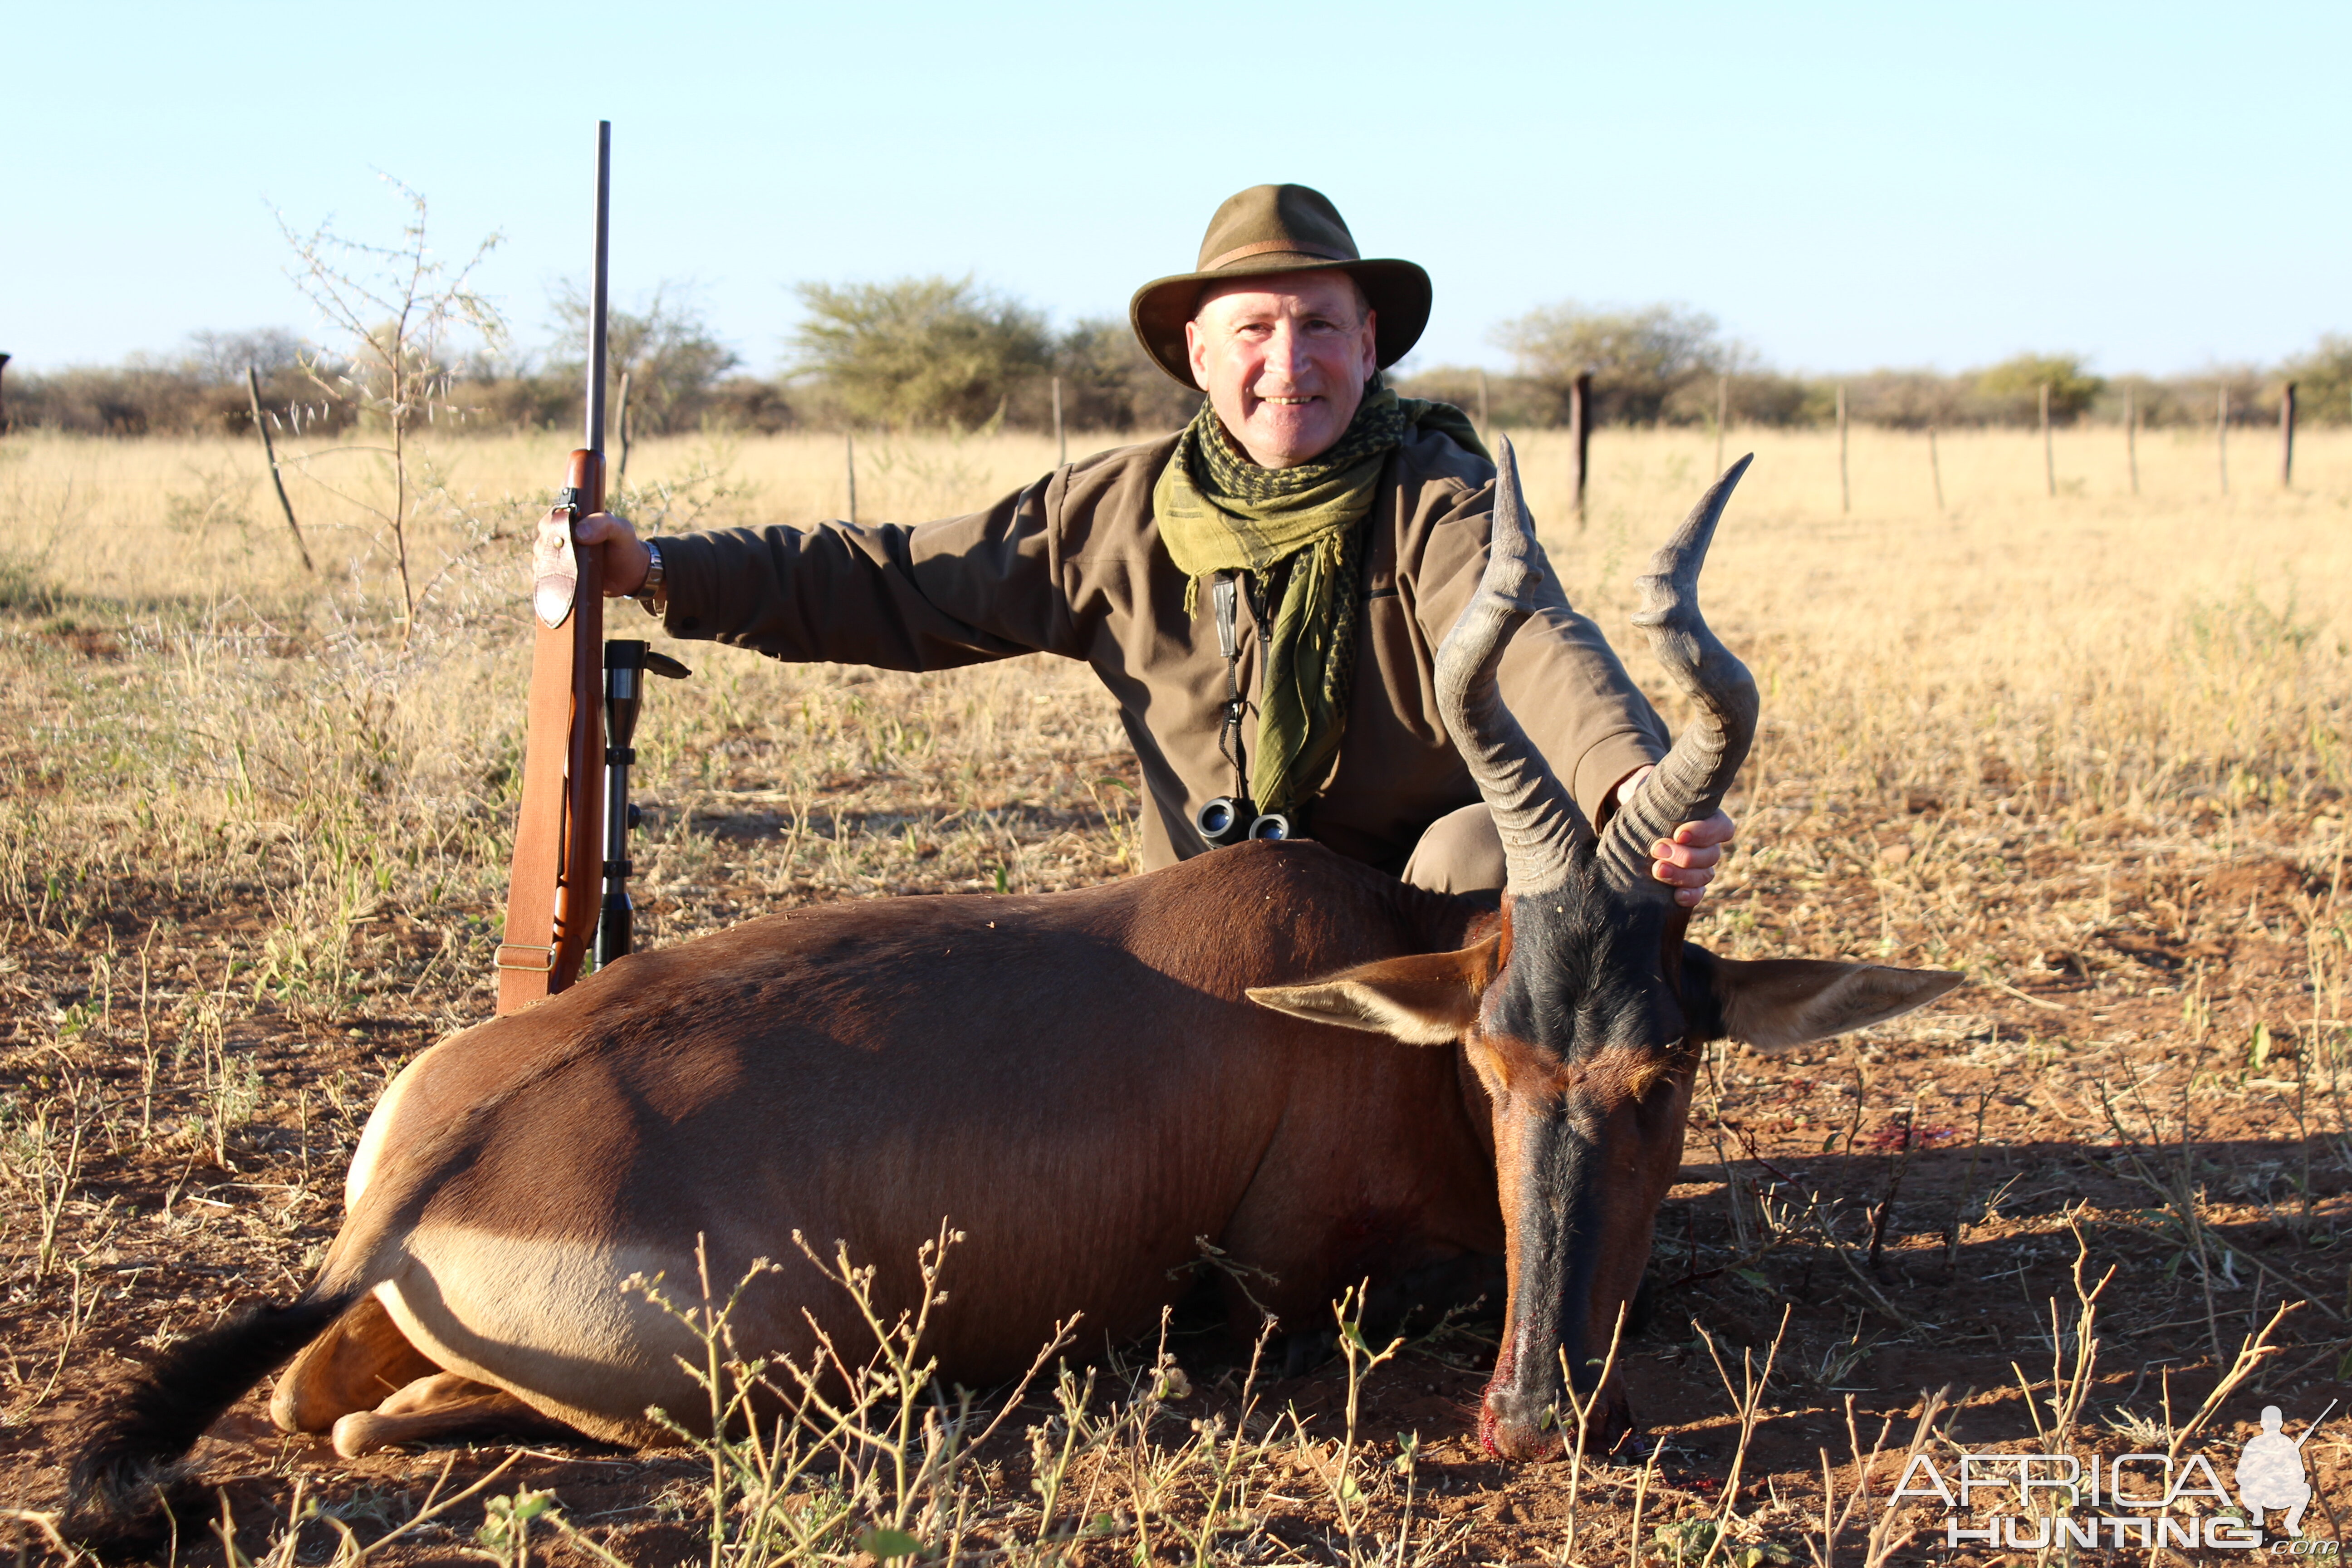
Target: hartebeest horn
[1698,772]
[1537,819]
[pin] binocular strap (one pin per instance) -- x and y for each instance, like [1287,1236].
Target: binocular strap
[1225,595]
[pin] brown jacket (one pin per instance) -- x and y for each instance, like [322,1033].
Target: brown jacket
[1073,566]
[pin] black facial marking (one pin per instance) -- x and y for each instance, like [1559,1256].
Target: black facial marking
[1566,1157]
[1587,970]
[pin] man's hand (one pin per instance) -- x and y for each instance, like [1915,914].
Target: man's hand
[1686,862]
[625,561]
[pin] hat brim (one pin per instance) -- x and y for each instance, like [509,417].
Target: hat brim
[1399,293]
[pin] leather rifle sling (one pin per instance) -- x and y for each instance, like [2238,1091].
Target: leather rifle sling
[552,885]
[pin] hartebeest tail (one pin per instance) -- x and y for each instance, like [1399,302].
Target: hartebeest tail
[116,1498]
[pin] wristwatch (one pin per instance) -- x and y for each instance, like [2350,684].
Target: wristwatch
[651,593]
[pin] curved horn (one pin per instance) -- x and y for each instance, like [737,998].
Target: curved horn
[1538,820]
[1698,772]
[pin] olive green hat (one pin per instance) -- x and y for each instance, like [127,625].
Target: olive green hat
[1280,228]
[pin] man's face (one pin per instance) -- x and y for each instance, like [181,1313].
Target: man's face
[1283,359]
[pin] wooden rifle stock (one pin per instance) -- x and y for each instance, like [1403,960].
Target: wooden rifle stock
[554,885]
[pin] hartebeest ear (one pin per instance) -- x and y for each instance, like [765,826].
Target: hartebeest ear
[1775,1002]
[1422,998]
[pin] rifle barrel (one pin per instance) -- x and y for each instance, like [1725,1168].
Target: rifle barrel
[595,442]
[2307,1431]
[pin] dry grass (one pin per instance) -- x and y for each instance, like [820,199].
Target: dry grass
[2089,748]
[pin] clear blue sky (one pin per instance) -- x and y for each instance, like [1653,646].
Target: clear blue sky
[2155,185]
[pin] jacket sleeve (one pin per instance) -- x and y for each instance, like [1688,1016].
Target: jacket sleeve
[928,596]
[1560,677]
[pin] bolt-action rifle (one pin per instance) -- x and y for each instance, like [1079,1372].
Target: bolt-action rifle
[571,831]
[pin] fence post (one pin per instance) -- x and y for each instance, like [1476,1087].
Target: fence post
[1722,415]
[1845,490]
[2131,437]
[2286,437]
[3,396]
[2049,458]
[2221,437]
[1484,426]
[849,450]
[1579,423]
[270,450]
[1061,441]
[1935,468]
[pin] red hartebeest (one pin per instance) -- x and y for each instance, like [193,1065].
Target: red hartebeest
[1086,1083]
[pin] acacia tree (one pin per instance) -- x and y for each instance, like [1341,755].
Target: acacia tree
[1108,382]
[2324,375]
[668,351]
[1638,359]
[2011,390]
[396,306]
[220,359]
[919,350]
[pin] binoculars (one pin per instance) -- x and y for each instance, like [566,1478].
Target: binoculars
[1231,819]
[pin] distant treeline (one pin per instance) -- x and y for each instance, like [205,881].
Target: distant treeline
[1667,365]
[307,389]
[941,352]
[924,352]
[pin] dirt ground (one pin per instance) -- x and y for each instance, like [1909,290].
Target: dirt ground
[2143,1071]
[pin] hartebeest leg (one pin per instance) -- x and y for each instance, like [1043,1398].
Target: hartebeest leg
[354,1365]
[442,1406]
[1281,1230]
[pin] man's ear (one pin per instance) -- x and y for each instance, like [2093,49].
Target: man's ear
[1195,353]
[1775,1002]
[1422,998]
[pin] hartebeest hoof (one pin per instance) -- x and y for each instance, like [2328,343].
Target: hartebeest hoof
[355,1365]
[443,1406]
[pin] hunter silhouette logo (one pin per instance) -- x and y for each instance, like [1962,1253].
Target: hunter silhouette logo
[2270,1471]
[2087,1501]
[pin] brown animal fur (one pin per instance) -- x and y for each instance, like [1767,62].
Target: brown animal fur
[861,1072]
